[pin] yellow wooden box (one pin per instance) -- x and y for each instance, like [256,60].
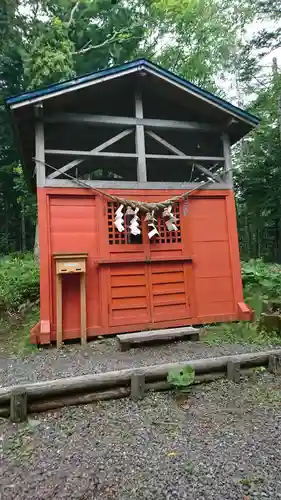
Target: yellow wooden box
[70,263]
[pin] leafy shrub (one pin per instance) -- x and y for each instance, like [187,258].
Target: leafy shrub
[182,378]
[240,333]
[262,283]
[19,281]
[261,277]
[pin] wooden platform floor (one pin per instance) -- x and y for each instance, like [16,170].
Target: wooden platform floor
[128,340]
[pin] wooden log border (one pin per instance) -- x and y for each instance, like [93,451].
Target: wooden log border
[84,389]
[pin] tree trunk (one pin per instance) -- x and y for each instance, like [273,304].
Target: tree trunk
[36,242]
[278,240]
[6,215]
[23,227]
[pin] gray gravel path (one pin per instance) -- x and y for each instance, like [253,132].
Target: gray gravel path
[103,355]
[223,445]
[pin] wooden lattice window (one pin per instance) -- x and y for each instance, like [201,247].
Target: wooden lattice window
[164,235]
[117,238]
[114,236]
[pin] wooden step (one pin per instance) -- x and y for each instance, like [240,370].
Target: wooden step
[126,340]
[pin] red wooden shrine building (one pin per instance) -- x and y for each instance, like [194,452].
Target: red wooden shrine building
[140,133]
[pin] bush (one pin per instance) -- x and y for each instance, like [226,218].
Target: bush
[262,278]
[19,281]
[261,282]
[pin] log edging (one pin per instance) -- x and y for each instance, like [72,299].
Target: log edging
[51,394]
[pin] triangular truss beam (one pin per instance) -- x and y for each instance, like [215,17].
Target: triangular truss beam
[97,149]
[180,153]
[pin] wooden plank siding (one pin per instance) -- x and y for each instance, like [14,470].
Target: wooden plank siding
[188,277]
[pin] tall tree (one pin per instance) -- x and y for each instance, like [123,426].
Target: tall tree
[258,175]
[268,39]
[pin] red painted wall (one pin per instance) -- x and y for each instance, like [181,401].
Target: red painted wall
[188,277]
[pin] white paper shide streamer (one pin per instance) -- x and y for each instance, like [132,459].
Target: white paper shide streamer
[134,224]
[170,219]
[152,221]
[133,221]
[119,219]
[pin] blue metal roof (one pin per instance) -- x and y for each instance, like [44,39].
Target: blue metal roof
[136,64]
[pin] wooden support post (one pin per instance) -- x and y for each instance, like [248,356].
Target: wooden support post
[124,346]
[39,146]
[195,337]
[227,158]
[140,139]
[83,311]
[18,405]
[137,385]
[233,371]
[274,364]
[59,310]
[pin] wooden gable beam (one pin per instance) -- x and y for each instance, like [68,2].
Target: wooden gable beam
[88,154]
[105,154]
[116,121]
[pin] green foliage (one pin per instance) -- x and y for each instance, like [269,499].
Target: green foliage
[17,210]
[50,58]
[258,173]
[19,281]
[19,294]
[18,338]
[240,333]
[182,378]
[261,282]
[205,37]
[268,38]
[262,277]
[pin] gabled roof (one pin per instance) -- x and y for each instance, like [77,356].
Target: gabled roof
[32,97]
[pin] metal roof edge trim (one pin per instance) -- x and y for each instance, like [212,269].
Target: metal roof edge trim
[201,92]
[136,64]
[67,84]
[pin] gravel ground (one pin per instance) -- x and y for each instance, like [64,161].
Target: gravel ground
[222,443]
[103,355]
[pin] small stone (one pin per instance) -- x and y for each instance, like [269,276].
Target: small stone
[33,422]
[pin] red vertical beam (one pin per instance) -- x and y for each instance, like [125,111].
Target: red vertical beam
[234,248]
[45,266]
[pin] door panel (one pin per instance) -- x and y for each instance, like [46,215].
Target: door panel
[169,299]
[149,291]
[129,294]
